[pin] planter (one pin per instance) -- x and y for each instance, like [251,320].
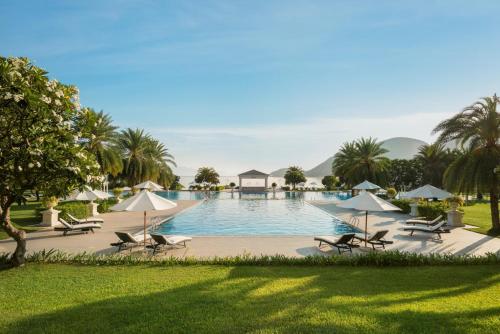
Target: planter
[50,217]
[455,218]
[414,209]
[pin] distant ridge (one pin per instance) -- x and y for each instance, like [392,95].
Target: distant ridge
[398,147]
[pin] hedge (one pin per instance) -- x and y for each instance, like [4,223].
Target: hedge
[403,204]
[380,259]
[77,209]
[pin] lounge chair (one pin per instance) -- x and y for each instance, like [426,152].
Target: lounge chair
[423,221]
[86,220]
[168,240]
[67,227]
[437,229]
[376,240]
[127,239]
[342,243]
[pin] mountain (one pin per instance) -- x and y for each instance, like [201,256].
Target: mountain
[398,147]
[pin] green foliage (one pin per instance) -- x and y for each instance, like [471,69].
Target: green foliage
[329,182]
[175,184]
[403,204]
[434,159]
[207,176]
[105,204]
[77,209]
[285,188]
[391,192]
[294,175]
[433,210]
[405,174]
[361,160]
[383,259]
[117,192]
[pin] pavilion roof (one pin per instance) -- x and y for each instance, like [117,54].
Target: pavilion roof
[253,172]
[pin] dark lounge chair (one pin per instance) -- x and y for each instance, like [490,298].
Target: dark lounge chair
[376,240]
[167,240]
[127,239]
[436,229]
[76,228]
[342,243]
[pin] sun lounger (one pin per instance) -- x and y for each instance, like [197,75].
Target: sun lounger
[376,240]
[67,227]
[168,240]
[437,229]
[86,220]
[416,221]
[342,243]
[127,239]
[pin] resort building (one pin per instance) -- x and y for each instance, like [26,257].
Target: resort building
[253,181]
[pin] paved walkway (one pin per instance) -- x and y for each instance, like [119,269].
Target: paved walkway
[459,241]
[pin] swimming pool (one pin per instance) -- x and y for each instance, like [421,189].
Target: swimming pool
[306,195]
[235,216]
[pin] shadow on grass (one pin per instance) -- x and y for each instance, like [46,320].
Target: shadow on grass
[290,299]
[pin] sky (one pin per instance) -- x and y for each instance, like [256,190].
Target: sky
[239,85]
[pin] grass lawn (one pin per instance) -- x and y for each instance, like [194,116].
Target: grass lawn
[259,299]
[23,216]
[479,215]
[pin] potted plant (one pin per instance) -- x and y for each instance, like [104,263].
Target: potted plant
[454,202]
[117,192]
[391,193]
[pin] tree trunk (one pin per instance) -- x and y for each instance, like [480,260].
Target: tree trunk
[17,258]
[495,219]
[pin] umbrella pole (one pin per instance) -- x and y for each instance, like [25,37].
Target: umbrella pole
[144,229]
[366,226]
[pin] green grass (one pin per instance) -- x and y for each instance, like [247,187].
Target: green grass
[479,215]
[56,298]
[23,216]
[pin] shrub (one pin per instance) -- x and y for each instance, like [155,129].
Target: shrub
[117,192]
[105,204]
[403,204]
[391,192]
[75,208]
[432,210]
[381,259]
[285,188]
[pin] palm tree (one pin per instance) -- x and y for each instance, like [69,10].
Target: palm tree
[98,133]
[207,176]
[294,175]
[145,158]
[477,130]
[434,159]
[361,160]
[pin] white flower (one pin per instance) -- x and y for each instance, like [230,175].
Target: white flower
[46,99]
[7,96]
[38,164]
[31,165]
[20,168]
[18,97]
[57,102]
[59,93]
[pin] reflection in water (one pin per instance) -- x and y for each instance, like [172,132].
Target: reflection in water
[251,214]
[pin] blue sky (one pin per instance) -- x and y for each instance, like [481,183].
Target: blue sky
[264,84]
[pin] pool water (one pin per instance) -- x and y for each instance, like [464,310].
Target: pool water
[253,214]
[307,195]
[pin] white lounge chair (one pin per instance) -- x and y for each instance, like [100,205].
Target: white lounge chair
[76,228]
[417,221]
[168,240]
[437,229]
[127,239]
[86,220]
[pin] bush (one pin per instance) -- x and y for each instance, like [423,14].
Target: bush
[105,204]
[432,210]
[381,259]
[403,204]
[285,188]
[75,208]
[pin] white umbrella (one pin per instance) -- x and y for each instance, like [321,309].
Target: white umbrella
[126,188]
[366,185]
[367,201]
[150,185]
[144,201]
[428,191]
[88,195]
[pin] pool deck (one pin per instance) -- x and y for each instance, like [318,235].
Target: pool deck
[459,241]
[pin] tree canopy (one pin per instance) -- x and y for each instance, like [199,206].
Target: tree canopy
[207,176]
[294,175]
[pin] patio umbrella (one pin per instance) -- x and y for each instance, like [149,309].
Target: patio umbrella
[150,185]
[366,185]
[367,201]
[88,194]
[144,201]
[428,191]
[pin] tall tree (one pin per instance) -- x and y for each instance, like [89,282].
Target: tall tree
[294,175]
[405,174]
[434,159]
[361,160]
[98,136]
[207,176]
[477,130]
[38,142]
